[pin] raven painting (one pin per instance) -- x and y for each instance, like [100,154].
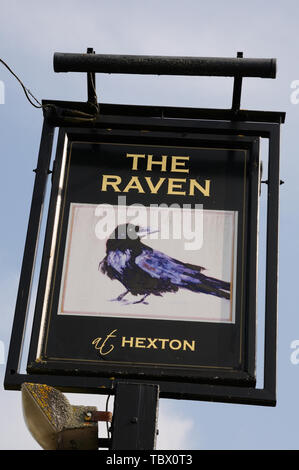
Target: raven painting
[145,271]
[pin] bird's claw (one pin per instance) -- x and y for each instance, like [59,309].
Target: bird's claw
[142,301]
[120,297]
[117,299]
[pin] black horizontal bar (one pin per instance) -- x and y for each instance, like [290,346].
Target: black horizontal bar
[174,390]
[165,112]
[165,65]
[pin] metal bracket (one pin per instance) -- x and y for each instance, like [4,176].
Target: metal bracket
[95,416]
[266,182]
[88,112]
[92,63]
[237,90]
[91,83]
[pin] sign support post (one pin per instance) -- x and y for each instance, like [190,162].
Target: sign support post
[134,425]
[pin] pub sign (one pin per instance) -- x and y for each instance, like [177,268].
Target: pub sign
[147,256]
[149,264]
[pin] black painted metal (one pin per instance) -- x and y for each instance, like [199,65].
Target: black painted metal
[23,296]
[272,260]
[91,83]
[48,239]
[112,114]
[237,90]
[174,390]
[134,425]
[167,65]
[161,65]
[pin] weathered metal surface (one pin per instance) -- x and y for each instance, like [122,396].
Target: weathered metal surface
[95,416]
[54,422]
[135,416]
[165,65]
[60,113]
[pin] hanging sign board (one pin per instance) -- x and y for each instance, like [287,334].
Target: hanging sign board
[150,258]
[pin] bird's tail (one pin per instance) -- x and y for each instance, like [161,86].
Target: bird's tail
[212,286]
[217,283]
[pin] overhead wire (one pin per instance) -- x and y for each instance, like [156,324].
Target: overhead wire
[25,89]
[72,115]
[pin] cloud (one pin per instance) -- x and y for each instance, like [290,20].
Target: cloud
[175,430]
[134,27]
[14,434]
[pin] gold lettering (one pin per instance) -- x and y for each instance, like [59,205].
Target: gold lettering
[175,162]
[116,180]
[179,344]
[139,343]
[100,347]
[175,183]
[163,341]
[135,157]
[96,342]
[150,162]
[154,189]
[152,343]
[194,184]
[134,184]
[187,344]
[129,341]
[105,347]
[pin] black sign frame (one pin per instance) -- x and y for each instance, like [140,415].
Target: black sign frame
[70,380]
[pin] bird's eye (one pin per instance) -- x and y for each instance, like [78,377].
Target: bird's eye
[137,228]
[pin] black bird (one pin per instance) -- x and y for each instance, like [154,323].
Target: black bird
[144,271]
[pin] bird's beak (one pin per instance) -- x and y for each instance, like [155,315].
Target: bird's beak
[143,231]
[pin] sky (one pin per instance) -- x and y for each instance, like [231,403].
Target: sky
[30,33]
